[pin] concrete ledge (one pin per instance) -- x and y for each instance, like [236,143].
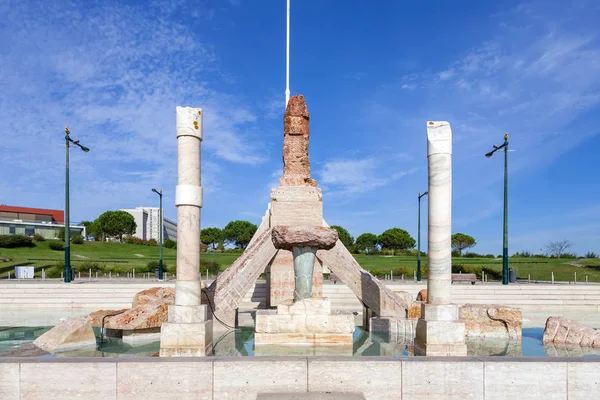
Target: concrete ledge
[248,377]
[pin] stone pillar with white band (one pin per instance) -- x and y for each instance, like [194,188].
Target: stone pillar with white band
[189,330]
[439,331]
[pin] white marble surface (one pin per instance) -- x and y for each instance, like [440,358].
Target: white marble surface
[377,380]
[245,379]
[186,340]
[9,381]
[526,380]
[304,323]
[189,121]
[90,380]
[188,314]
[442,380]
[583,381]
[439,312]
[314,305]
[439,138]
[181,338]
[185,380]
[439,159]
[440,229]
[188,293]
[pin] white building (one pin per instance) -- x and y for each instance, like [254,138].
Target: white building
[147,220]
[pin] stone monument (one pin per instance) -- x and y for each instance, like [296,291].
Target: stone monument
[298,203]
[188,332]
[439,330]
[306,320]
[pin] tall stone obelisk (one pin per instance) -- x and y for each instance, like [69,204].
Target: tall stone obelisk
[439,331]
[189,330]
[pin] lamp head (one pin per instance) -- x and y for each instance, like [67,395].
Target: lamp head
[155,191]
[488,155]
[85,149]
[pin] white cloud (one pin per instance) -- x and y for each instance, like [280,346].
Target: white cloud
[114,73]
[353,176]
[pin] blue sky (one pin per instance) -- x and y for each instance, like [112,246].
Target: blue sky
[373,73]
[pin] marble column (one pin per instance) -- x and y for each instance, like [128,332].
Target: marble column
[439,331]
[188,333]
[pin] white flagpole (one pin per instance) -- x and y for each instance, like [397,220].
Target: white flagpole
[287,57]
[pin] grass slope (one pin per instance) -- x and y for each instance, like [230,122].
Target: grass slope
[129,256]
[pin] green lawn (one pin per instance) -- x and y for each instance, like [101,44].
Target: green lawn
[126,257]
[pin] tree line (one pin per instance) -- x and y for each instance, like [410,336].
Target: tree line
[110,224]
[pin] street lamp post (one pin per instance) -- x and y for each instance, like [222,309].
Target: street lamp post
[160,235]
[419,240]
[67,267]
[505,225]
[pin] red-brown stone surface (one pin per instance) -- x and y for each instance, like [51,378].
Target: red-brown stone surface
[96,316]
[154,294]
[150,315]
[149,310]
[296,165]
[560,330]
[414,310]
[320,237]
[422,295]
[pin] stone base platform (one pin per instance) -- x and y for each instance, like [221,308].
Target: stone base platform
[440,332]
[392,329]
[140,336]
[307,322]
[188,333]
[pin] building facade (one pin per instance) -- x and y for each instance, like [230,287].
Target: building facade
[16,220]
[147,220]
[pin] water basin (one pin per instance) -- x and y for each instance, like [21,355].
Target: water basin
[17,342]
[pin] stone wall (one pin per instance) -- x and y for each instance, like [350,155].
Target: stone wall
[244,377]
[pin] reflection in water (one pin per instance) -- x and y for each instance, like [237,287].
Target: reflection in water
[17,342]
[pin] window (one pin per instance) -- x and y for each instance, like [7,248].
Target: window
[29,230]
[12,230]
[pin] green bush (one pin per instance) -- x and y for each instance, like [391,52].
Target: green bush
[477,270]
[77,239]
[170,244]
[54,271]
[490,256]
[212,266]
[491,273]
[134,240]
[591,254]
[85,266]
[397,271]
[152,266]
[38,238]
[472,255]
[56,245]
[14,241]
[233,250]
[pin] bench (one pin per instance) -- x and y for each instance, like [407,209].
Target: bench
[464,278]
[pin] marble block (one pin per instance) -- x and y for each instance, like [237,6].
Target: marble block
[140,336]
[392,329]
[439,312]
[304,323]
[440,338]
[296,205]
[307,322]
[314,305]
[188,332]
[188,314]
[303,339]
[186,340]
